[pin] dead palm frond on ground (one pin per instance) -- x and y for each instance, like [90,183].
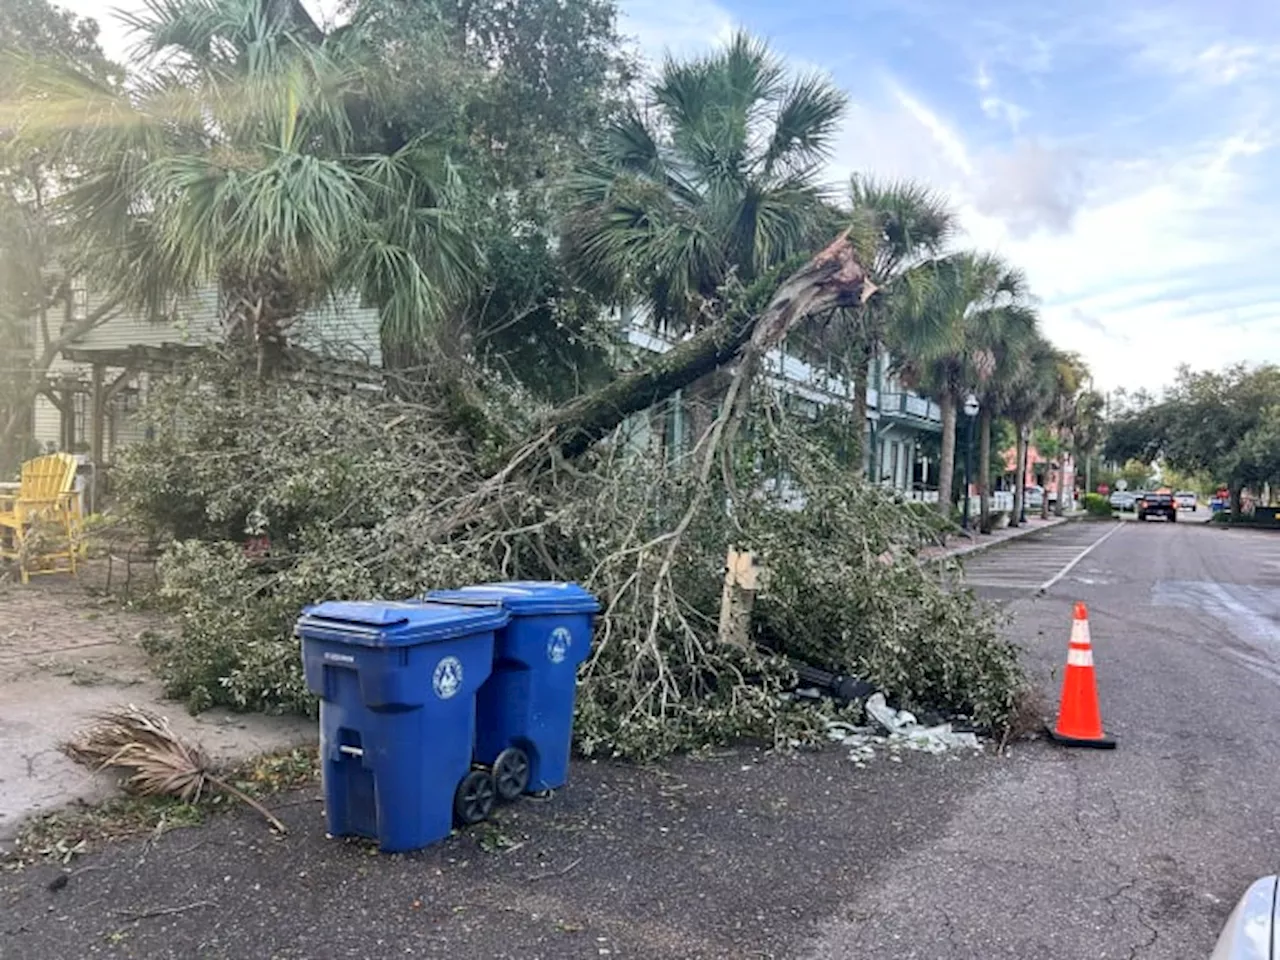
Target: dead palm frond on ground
[152,760]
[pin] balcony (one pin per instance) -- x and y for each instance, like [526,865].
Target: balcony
[910,408]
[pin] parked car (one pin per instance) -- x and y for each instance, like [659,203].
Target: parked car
[1250,931]
[1186,500]
[1123,500]
[1157,505]
[1033,496]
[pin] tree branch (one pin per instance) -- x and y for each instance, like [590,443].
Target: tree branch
[831,279]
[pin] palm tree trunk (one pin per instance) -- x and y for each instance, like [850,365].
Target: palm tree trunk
[1059,505]
[947,460]
[984,469]
[1020,473]
[858,449]
[831,279]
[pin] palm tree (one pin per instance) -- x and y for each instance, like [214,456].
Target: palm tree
[231,162]
[970,299]
[709,183]
[1025,398]
[898,229]
[1070,373]
[1009,334]
[1090,424]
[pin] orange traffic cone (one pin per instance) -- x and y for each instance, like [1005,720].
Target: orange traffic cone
[1079,719]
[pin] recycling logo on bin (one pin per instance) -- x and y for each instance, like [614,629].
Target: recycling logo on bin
[447,679]
[558,644]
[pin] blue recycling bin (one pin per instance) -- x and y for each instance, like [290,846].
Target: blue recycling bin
[397,685]
[527,702]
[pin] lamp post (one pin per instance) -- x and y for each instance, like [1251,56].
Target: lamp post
[970,411]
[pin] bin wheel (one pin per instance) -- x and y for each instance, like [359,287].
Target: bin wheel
[474,797]
[511,773]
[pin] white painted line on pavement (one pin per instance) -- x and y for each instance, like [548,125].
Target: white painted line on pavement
[1044,587]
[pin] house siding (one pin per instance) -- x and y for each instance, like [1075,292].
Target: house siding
[340,327]
[896,416]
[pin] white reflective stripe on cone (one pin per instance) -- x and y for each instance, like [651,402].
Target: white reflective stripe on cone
[1079,658]
[1080,632]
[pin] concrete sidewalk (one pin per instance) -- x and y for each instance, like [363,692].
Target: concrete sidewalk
[67,653]
[963,544]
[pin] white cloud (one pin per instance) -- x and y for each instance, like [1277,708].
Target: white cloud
[1010,113]
[944,136]
[983,79]
[1113,248]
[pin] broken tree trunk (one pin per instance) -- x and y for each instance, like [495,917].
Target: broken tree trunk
[833,278]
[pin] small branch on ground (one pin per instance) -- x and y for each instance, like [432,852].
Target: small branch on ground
[551,874]
[164,911]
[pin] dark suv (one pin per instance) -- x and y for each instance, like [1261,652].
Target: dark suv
[1158,505]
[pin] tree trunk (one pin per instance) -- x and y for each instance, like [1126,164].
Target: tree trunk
[863,453]
[947,459]
[52,346]
[833,278]
[984,469]
[1020,473]
[1059,505]
[1237,506]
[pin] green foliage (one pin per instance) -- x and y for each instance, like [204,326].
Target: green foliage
[232,159]
[1097,505]
[1221,424]
[361,496]
[715,178]
[846,592]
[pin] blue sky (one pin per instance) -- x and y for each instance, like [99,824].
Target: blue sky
[1123,154]
[1126,160]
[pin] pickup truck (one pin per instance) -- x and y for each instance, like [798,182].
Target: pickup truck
[1158,505]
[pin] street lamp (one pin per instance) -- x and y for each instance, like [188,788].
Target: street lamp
[970,411]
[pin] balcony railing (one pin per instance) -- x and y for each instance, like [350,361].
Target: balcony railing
[911,405]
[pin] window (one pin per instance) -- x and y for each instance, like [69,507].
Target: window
[79,300]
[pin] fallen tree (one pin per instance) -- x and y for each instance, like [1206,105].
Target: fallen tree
[377,497]
[834,278]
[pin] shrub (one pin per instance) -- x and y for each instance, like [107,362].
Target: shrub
[1097,505]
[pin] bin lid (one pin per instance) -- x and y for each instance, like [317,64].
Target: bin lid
[524,597]
[373,623]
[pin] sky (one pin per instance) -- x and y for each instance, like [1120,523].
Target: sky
[1125,156]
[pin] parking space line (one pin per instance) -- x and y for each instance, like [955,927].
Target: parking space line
[1044,587]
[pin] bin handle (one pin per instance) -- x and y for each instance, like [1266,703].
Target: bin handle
[351,751]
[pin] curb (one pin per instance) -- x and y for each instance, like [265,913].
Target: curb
[989,544]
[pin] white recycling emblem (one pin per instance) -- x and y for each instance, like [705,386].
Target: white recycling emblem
[447,679]
[558,644]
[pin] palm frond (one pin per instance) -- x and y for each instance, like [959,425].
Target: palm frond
[152,759]
[806,122]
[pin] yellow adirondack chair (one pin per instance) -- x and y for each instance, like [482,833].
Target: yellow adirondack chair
[46,496]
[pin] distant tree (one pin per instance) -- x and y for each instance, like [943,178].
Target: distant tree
[36,261]
[977,301]
[1217,423]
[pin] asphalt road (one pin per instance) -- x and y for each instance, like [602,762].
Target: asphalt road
[1139,852]
[1047,853]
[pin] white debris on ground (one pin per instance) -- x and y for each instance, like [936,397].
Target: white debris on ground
[896,730]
